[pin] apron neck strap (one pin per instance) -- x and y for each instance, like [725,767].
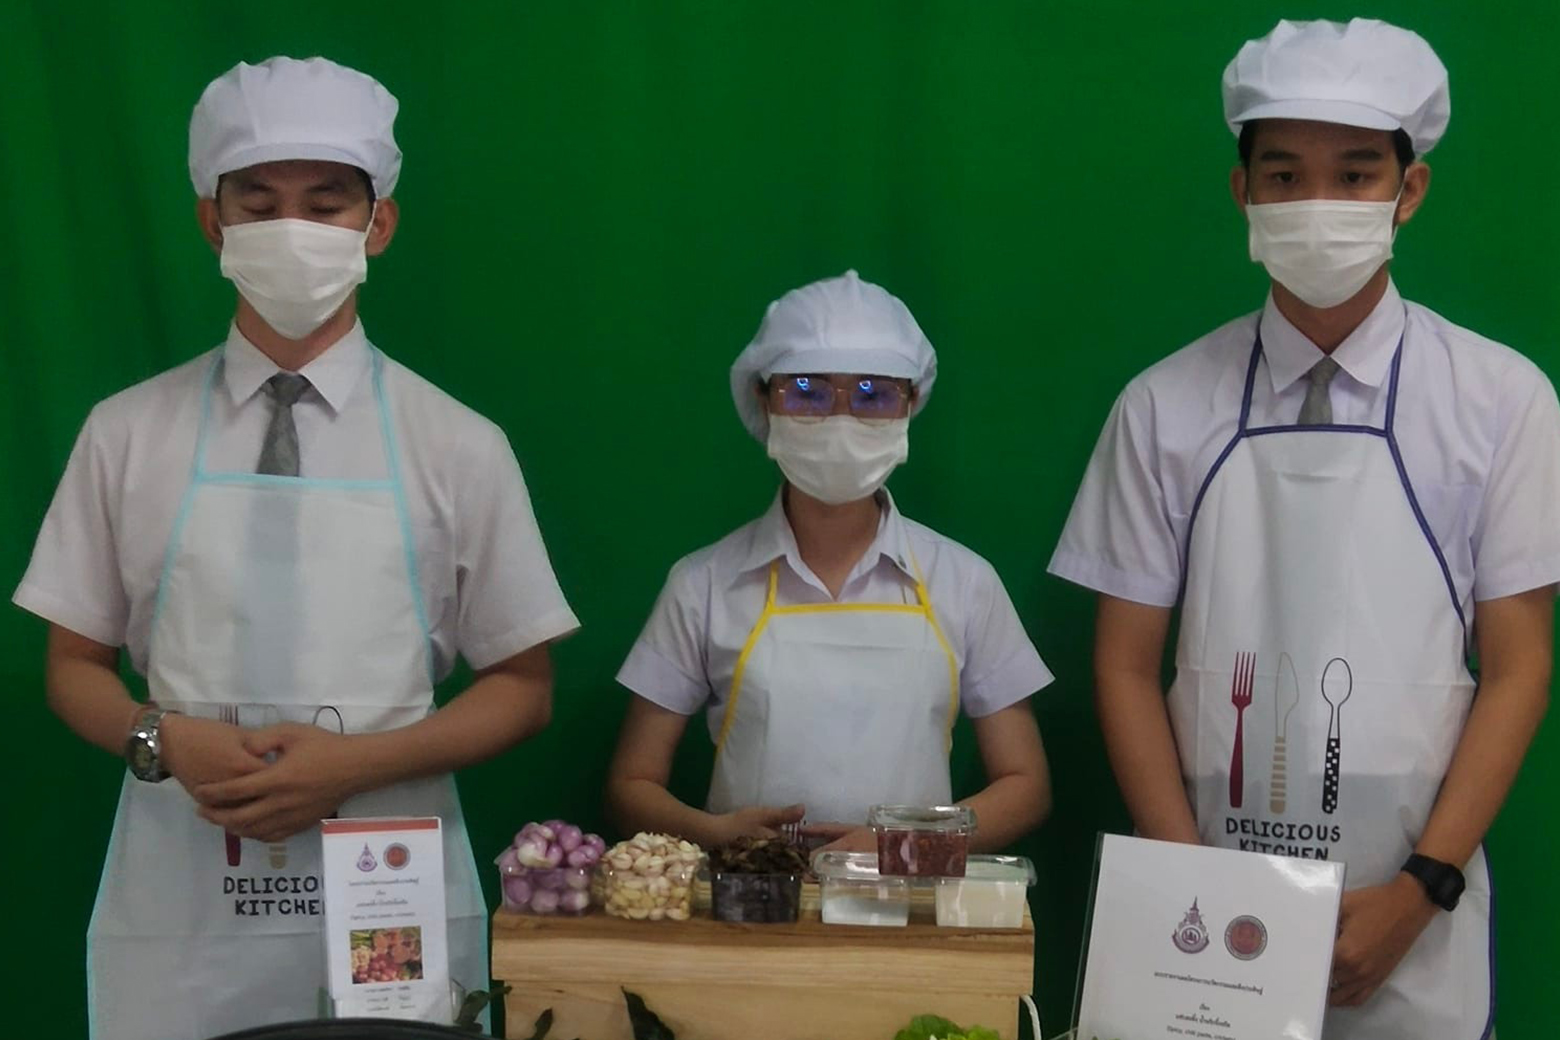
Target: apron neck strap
[1251,382]
[923,596]
[1392,385]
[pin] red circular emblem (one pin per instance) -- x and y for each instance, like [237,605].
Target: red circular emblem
[1246,937]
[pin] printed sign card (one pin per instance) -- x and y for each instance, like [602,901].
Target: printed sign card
[384,918]
[1207,944]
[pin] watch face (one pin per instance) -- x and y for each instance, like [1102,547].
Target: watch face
[1443,883]
[143,761]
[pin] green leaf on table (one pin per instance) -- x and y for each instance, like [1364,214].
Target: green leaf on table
[646,1025]
[543,1026]
[475,1001]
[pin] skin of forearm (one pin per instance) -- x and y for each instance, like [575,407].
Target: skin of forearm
[491,716]
[85,691]
[1142,752]
[1516,647]
[1009,808]
[1129,642]
[1504,718]
[640,804]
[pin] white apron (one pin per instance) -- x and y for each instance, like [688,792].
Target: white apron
[839,707]
[1308,552]
[281,599]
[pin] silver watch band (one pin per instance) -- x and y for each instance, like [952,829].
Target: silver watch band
[143,749]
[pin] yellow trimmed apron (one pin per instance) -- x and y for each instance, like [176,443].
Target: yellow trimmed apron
[838,706]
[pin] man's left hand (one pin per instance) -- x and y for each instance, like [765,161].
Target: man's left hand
[1376,928]
[313,773]
[841,837]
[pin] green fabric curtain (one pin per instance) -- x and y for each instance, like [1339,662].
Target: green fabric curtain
[600,199]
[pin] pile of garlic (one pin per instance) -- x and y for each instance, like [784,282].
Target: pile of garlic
[648,878]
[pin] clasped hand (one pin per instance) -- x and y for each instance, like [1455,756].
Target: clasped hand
[277,781]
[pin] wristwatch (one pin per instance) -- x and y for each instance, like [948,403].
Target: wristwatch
[1443,882]
[143,751]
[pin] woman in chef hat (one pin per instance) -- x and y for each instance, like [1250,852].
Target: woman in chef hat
[832,643]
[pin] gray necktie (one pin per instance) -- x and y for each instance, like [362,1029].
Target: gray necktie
[279,453]
[1317,409]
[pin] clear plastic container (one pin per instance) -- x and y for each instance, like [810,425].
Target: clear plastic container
[667,896]
[547,890]
[756,898]
[922,841]
[853,892]
[991,894]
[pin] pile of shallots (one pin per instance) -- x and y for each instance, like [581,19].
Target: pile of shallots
[548,868]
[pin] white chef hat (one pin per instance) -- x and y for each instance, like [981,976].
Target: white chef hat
[285,108]
[1366,73]
[837,325]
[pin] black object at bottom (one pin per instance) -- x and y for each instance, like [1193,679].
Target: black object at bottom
[351,1029]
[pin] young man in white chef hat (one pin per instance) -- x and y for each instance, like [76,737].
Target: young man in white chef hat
[832,643]
[1347,496]
[293,537]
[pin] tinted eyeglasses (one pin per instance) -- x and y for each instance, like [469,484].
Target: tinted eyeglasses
[819,396]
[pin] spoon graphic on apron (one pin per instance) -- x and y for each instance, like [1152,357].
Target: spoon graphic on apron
[1335,699]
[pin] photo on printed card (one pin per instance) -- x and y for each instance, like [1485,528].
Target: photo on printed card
[381,955]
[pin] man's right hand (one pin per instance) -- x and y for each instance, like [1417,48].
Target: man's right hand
[756,821]
[203,751]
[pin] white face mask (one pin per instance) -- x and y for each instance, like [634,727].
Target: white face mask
[838,459]
[295,273]
[1322,250]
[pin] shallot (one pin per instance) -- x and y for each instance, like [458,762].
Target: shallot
[548,868]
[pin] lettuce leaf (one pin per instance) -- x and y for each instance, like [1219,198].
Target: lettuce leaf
[926,1027]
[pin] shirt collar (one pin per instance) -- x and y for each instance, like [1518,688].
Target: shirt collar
[773,539]
[333,375]
[1366,354]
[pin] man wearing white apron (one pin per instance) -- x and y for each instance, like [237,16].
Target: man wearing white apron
[1347,496]
[293,537]
[832,643]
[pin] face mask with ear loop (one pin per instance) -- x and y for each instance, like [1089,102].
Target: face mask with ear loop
[841,458]
[1322,250]
[295,273]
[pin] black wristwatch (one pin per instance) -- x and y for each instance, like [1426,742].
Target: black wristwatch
[1443,882]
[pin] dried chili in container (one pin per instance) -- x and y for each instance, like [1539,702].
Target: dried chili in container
[757,880]
[922,841]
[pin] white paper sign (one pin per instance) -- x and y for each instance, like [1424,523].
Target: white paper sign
[1199,943]
[384,918]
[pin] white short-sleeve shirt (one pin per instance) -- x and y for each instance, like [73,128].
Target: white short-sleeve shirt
[686,656]
[1478,425]
[487,582]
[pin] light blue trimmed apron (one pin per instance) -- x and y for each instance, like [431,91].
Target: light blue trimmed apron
[281,599]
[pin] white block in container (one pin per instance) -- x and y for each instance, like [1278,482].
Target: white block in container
[991,893]
[851,891]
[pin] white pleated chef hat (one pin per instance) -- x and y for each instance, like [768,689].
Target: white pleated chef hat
[837,325]
[1363,73]
[286,108]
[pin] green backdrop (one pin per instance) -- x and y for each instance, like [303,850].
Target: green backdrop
[600,199]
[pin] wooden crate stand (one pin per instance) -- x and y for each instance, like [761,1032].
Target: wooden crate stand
[710,980]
